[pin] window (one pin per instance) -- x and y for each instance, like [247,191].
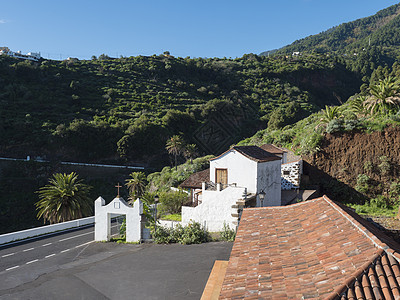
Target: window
[286,172]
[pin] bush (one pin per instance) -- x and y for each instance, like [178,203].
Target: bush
[368,166]
[362,183]
[193,233]
[171,202]
[384,166]
[380,202]
[311,143]
[162,235]
[350,125]
[394,190]
[336,125]
[227,234]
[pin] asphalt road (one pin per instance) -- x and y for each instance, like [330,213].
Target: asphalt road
[73,266]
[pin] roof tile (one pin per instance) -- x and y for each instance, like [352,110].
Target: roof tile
[310,250]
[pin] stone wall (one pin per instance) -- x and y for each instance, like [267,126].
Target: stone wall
[291,175]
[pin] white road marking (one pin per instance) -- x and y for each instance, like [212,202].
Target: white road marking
[32,261]
[46,244]
[72,237]
[50,255]
[66,250]
[28,249]
[5,255]
[12,268]
[84,244]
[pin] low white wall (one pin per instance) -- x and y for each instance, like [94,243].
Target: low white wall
[19,235]
[215,210]
[168,223]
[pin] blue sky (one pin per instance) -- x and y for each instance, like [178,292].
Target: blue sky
[218,28]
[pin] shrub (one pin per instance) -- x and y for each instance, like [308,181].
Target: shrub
[362,183]
[227,234]
[193,233]
[311,143]
[336,125]
[384,166]
[350,125]
[162,235]
[380,202]
[394,192]
[171,202]
[368,166]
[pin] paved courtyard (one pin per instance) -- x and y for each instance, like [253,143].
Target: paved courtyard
[122,271]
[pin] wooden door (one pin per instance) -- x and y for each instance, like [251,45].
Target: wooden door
[221,176]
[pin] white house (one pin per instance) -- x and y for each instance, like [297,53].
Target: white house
[252,168]
[237,178]
[33,56]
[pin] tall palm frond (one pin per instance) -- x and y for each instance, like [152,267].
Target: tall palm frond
[358,107]
[330,113]
[175,146]
[190,152]
[384,96]
[65,198]
[136,184]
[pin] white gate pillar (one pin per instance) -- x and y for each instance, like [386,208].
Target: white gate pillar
[102,231]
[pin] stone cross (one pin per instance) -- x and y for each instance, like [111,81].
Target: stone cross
[118,186]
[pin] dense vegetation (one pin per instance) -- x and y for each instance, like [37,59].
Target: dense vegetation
[364,43]
[125,109]
[131,109]
[375,190]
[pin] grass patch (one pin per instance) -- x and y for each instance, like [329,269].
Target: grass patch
[373,210]
[122,240]
[172,217]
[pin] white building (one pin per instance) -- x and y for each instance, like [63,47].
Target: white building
[33,56]
[237,178]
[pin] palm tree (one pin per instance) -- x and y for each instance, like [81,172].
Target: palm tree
[190,152]
[175,146]
[330,113]
[383,95]
[358,106]
[136,185]
[65,198]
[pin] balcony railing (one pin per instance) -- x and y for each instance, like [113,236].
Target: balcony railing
[212,186]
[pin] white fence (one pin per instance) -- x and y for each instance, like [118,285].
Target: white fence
[20,235]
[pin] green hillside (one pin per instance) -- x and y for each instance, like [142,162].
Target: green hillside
[364,43]
[381,29]
[124,110]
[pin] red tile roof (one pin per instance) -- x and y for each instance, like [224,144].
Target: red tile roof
[311,250]
[254,153]
[195,180]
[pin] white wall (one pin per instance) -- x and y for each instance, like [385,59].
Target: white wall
[103,214]
[23,234]
[269,181]
[241,170]
[215,209]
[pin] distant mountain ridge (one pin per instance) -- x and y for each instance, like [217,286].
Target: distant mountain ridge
[379,30]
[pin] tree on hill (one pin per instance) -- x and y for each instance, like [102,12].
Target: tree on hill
[65,198]
[190,152]
[384,96]
[330,113]
[175,146]
[136,185]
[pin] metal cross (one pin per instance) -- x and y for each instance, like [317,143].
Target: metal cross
[118,186]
